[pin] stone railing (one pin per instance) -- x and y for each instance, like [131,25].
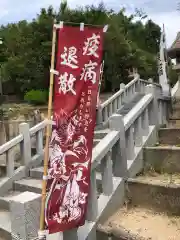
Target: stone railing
[124,95]
[23,145]
[119,153]
[116,101]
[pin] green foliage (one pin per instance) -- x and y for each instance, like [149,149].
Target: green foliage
[26,51]
[36,97]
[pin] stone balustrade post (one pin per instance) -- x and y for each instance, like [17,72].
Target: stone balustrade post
[99,116]
[107,176]
[122,86]
[92,210]
[110,109]
[105,114]
[150,80]
[145,122]
[165,112]
[39,142]
[119,102]
[138,86]
[26,143]
[70,235]
[114,106]
[160,112]
[119,150]
[25,215]
[138,132]
[130,143]
[10,162]
[154,111]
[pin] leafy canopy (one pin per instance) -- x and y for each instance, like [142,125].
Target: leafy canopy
[26,50]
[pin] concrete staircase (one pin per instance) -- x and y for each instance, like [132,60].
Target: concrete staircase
[33,182]
[126,123]
[151,207]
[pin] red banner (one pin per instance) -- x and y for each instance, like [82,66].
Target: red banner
[79,57]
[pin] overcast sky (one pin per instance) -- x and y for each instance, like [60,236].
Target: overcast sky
[160,11]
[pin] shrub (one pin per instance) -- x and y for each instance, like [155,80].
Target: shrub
[36,97]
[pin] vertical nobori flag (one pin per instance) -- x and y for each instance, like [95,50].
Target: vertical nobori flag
[79,56]
[162,62]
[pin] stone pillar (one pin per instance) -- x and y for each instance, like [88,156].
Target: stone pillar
[25,215]
[119,150]
[26,144]
[154,111]
[122,87]
[99,116]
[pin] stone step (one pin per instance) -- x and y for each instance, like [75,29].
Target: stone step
[28,184]
[175,114]
[129,105]
[151,209]
[5,225]
[143,224]
[173,123]
[160,192]
[34,182]
[164,159]
[37,173]
[169,136]
[5,200]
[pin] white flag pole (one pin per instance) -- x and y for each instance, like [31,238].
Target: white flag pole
[163,79]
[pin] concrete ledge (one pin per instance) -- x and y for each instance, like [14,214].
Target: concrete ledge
[169,136]
[162,159]
[161,197]
[28,184]
[136,165]
[107,205]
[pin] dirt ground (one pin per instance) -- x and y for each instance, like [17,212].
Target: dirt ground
[147,223]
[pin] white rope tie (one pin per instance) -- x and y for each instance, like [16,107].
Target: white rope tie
[45,177]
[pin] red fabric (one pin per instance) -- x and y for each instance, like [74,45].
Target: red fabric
[70,149]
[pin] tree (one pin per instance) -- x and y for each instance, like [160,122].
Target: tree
[25,54]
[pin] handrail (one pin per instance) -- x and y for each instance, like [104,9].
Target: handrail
[153,83]
[132,82]
[112,98]
[117,94]
[135,112]
[38,127]
[10,144]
